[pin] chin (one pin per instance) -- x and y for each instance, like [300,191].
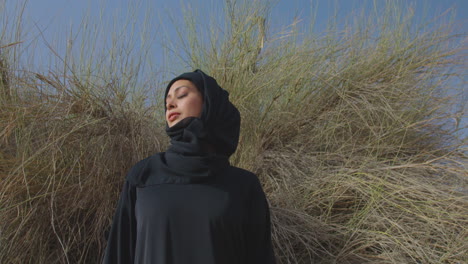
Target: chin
[173,123]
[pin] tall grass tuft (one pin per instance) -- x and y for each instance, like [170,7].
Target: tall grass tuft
[67,138]
[350,133]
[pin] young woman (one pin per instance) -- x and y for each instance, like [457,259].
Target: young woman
[188,205]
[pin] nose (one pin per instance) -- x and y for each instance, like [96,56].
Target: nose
[170,104]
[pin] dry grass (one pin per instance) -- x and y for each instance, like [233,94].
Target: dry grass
[349,133]
[65,155]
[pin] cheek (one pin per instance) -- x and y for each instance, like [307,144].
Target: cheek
[195,107]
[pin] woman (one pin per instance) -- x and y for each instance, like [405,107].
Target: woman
[188,204]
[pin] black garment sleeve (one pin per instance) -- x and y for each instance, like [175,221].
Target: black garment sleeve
[259,244]
[121,241]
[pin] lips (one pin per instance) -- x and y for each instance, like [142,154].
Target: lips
[173,116]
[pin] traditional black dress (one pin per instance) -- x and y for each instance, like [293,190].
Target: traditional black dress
[189,205]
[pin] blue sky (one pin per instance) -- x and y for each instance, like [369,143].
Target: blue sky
[45,12]
[56,19]
[66,12]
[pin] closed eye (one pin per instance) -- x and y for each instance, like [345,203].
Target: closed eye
[181,96]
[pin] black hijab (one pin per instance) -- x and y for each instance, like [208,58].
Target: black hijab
[219,124]
[200,146]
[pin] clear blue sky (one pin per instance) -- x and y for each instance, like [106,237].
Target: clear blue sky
[66,12]
[57,18]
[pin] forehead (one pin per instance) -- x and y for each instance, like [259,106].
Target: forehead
[181,83]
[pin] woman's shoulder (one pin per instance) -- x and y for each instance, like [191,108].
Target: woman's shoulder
[247,181]
[243,174]
[134,175]
[242,171]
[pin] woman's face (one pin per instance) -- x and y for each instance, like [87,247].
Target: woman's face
[183,100]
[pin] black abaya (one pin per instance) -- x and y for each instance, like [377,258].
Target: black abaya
[223,220]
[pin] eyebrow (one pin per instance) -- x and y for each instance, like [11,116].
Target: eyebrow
[175,90]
